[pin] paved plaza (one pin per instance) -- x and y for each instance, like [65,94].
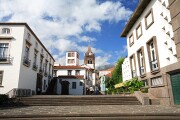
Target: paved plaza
[89,111]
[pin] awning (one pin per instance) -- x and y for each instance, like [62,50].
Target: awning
[119,85]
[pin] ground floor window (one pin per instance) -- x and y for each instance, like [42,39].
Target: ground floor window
[156,81]
[1,77]
[73,85]
[80,83]
[145,83]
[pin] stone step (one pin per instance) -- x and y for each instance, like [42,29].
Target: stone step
[143,116]
[77,100]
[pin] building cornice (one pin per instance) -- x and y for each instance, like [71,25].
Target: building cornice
[27,26]
[134,17]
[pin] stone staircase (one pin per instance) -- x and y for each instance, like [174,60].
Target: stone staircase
[50,100]
[95,107]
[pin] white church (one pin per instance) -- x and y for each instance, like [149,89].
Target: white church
[75,79]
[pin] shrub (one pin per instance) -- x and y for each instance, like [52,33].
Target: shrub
[3,99]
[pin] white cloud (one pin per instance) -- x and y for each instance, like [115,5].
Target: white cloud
[102,60]
[64,19]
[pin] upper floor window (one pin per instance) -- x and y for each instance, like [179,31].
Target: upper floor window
[5,31]
[41,65]
[77,72]
[28,36]
[141,61]
[49,68]
[133,67]
[1,77]
[71,61]
[35,61]
[131,40]
[69,72]
[139,31]
[26,52]
[4,51]
[42,51]
[36,45]
[153,55]
[70,54]
[26,60]
[149,19]
[45,68]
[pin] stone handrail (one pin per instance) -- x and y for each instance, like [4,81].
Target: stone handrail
[142,97]
[17,92]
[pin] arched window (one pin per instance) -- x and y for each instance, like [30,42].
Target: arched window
[5,31]
[90,61]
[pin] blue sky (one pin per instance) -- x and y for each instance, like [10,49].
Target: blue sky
[64,25]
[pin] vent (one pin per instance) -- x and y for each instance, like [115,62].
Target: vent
[166,18]
[164,4]
[163,28]
[168,33]
[161,14]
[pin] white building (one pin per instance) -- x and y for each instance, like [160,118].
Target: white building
[73,79]
[24,61]
[126,71]
[152,52]
[72,58]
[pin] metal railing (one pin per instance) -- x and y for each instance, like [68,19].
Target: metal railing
[154,65]
[41,70]
[6,59]
[142,70]
[18,92]
[26,61]
[35,67]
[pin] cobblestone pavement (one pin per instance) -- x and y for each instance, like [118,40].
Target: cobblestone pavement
[98,109]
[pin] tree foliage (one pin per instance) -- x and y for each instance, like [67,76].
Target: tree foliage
[117,73]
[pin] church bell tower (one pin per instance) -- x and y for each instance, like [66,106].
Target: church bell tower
[89,58]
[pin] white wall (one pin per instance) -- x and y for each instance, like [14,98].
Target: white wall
[65,71]
[28,76]
[126,70]
[154,30]
[11,71]
[17,75]
[79,89]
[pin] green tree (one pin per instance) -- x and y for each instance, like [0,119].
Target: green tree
[109,85]
[117,73]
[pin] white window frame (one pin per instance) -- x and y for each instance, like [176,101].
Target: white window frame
[157,81]
[1,77]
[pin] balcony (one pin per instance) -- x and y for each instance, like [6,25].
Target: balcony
[35,67]
[6,59]
[154,65]
[142,70]
[41,70]
[26,61]
[45,73]
[134,73]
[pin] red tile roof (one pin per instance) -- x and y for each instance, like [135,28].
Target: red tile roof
[72,76]
[68,67]
[109,75]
